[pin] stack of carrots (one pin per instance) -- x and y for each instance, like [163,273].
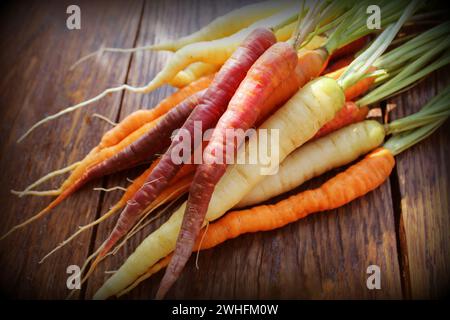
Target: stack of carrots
[307,70]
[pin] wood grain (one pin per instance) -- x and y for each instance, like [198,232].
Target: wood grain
[37,82]
[423,178]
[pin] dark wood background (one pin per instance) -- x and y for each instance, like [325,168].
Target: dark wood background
[403,226]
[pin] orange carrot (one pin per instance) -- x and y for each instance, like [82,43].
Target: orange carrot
[311,64]
[151,142]
[359,88]
[349,114]
[356,181]
[132,128]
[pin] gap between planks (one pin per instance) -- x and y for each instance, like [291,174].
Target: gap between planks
[400,238]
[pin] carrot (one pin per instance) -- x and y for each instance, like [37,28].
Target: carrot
[351,184]
[350,113]
[193,72]
[92,158]
[134,125]
[291,175]
[243,112]
[347,186]
[244,109]
[360,87]
[214,52]
[180,185]
[350,49]
[356,181]
[198,69]
[97,156]
[155,140]
[227,24]
[220,27]
[213,104]
[339,64]
[317,157]
[140,117]
[310,108]
[309,65]
[375,169]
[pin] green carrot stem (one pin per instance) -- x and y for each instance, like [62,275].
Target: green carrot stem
[336,38]
[412,123]
[335,13]
[400,142]
[401,40]
[410,57]
[306,25]
[361,64]
[399,55]
[355,26]
[436,109]
[284,23]
[408,75]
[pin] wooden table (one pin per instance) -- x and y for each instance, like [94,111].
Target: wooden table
[403,226]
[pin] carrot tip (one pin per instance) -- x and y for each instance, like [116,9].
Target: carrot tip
[45,193]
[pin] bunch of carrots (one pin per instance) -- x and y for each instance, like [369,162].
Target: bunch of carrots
[311,71]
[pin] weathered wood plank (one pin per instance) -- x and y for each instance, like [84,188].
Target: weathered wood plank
[423,178]
[36,82]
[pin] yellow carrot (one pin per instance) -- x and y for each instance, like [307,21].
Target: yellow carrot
[192,73]
[213,52]
[317,157]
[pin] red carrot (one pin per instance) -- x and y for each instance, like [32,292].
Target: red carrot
[349,114]
[208,112]
[244,110]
